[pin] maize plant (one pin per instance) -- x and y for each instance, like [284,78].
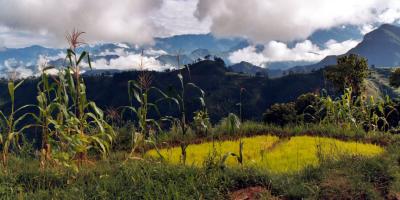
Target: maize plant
[232,124]
[46,108]
[239,156]
[71,124]
[201,122]
[139,91]
[348,111]
[10,124]
[180,100]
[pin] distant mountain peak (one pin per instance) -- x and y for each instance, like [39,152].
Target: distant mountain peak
[247,68]
[381,47]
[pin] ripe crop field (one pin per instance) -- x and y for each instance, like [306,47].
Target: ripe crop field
[271,153]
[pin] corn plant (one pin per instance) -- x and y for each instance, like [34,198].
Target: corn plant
[139,91]
[46,109]
[201,122]
[232,124]
[348,111]
[10,125]
[238,156]
[240,104]
[180,100]
[70,122]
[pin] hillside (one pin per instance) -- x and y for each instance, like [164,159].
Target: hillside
[247,68]
[381,47]
[221,86]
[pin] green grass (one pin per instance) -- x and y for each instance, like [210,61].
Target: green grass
[271,154]
[364,177]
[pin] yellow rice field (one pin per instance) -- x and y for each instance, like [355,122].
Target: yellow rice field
[271,153]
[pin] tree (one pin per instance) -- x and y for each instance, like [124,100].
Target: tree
[350,71]
[219,61]
[395,78]
[306,106]
[280,114]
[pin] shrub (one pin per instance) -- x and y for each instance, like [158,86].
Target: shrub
[306,106]
[281,114]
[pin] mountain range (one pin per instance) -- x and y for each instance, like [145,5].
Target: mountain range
[381,47]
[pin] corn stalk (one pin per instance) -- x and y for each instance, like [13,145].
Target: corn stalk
[179,99]
[10,124]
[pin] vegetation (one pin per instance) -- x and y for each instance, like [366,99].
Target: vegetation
[271,153]
[71,125]
[172,145]
[395,78]
[350,72]
[10,125]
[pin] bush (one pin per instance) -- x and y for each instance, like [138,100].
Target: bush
[281,114]
[306,106]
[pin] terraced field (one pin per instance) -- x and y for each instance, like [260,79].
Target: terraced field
[272,153]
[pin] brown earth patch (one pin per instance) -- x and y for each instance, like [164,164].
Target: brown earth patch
[252,193]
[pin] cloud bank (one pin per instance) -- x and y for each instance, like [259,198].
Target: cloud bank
[131,61]
[279,52]
[103,20]
[176,17]
[288,20]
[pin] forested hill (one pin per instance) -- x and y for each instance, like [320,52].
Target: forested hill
[221,86]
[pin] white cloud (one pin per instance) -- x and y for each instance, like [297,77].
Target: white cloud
[391,13]
[15,69]
[153,52]
[288,20]
[103,20]
[117,51]
[248,54]
[176,17]
[367,28]
[130,62]
[279,52]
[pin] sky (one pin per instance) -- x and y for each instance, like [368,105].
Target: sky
[45,22]
[270,23]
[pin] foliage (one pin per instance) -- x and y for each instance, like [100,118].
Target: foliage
[201,122]
[71,124]
[350,71]
[350,112]
[306,105]
[281,114]
[230,125]
[301,158]
[146,127]
[10,125]
[180,100]
[394,79]
[221,88]
[346,111]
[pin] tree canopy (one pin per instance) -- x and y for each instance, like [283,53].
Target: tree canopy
[395,78]
[350,71]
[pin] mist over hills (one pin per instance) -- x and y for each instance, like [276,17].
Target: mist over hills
[160,55]
[381,47]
